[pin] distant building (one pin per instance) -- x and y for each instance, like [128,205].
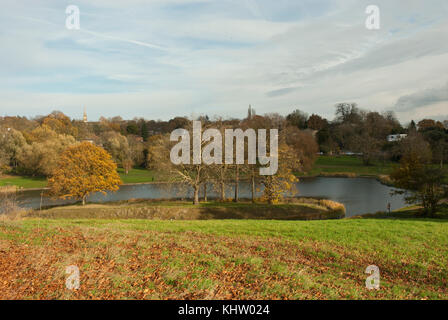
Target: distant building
[351,153]
[88,140]
[84,118]
[250,113]
[396,137]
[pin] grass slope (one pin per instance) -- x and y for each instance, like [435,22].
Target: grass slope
[224,259]
[305,209]
[24,182]
[136,175]
[349,164]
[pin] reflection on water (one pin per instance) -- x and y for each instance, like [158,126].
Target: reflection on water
[359,195]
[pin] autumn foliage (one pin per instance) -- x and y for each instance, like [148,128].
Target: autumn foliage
[84,169]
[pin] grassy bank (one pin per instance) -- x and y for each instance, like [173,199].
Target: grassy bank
[349,166]
[304,209]
[23,182]
[136,175]
[224,259]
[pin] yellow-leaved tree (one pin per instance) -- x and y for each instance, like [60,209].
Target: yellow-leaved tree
[83,169]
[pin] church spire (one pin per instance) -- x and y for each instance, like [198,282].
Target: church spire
[84,118]
[250,112]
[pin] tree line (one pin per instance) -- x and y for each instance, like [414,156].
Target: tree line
[34,146]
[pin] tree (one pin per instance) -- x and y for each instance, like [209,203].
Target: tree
[41,157]
[371,134]
[190,175]
[291,151]
[11,142]
[316,122]
[275,186]
[415,146]
[136,151]
[84,169]
[220,173]
[60,123]
[144,131]
[412,127]
[132,128]
[347,113]
[429,124]
[110,124]
[326,141]
[298,119]
[303,145]
[177,123]
[438,139]
[420,182]
[118,146]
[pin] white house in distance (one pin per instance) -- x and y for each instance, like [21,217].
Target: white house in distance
[396,137]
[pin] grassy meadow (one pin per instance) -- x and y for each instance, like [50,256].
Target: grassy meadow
[329,165]
[23,182]
[295,209]
[224,259]
[173,250]
[136,175]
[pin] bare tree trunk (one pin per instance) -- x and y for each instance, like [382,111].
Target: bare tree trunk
[237,178]
[253,185]
[84,200]
[222,182]
[223,191]
[205,192]
[196,195]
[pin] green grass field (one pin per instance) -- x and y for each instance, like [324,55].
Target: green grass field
[23,182]
[295,209]
[349,164]
[224,259]
[136,175]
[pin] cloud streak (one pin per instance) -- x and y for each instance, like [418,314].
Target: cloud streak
[160,58]
[423,98]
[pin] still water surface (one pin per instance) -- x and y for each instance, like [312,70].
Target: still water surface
[359,195]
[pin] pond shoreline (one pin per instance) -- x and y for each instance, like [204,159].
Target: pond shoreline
[359,195]
[383,179]
[290,209]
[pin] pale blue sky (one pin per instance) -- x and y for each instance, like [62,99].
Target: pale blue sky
[163,58]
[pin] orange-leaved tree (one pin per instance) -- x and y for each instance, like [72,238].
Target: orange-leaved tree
[84,169]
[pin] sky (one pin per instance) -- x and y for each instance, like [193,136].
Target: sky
[163,58]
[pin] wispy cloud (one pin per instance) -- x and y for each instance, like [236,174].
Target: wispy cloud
[160,58]
[423,98]
[97,34]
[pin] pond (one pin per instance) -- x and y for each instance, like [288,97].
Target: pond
[359,195]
